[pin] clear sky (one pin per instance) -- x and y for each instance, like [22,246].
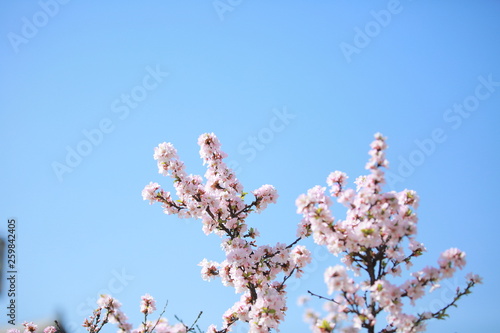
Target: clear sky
[293,89]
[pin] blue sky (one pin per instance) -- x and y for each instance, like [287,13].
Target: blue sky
[294,90]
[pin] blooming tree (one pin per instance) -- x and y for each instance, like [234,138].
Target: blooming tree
[371,240]
[257,272]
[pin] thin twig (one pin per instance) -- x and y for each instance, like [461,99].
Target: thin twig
[322,297]
[161,314]
[196,320]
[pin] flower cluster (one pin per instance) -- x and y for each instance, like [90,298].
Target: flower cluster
[148,304]
[109,312]
[32,328]
[219,202]
[371,240]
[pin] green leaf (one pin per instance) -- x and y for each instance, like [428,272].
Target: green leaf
[326,325]
[367,232]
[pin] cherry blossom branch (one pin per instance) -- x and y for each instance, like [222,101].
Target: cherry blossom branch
[190,328]
[252,270]
[322,297]
[157,321]
[94,325]
[371,242]
[441,314]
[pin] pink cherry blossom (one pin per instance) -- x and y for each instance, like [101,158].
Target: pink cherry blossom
[265,194]
[474,278]
[149,192]
[29,327]
[221,204]
[148,304]
[371,240]
[210,269]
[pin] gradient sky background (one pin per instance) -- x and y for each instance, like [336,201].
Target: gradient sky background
[231,73]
